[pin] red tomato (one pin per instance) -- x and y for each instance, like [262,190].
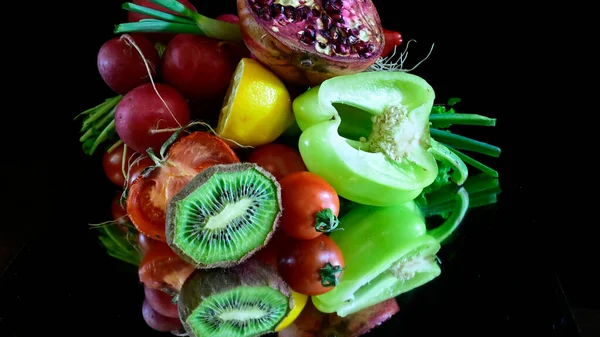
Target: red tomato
[145,243]
[136,168]
[392,39]
[163,269]
[278,159]
[114,167]
[311,267]
[268,254]
[149,196]
[310,205]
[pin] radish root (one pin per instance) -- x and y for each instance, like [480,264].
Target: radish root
[389,64]
[131,42]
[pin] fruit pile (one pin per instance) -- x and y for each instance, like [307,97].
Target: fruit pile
[271,180]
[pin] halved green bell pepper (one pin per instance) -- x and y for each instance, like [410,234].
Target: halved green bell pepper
[394,159]
[388,251]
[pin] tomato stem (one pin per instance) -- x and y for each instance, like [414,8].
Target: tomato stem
[326,221]
[330,275]
[157,161]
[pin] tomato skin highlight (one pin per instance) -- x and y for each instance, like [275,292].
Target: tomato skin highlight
[300,264]
[303,195]
[279,159]
[161,268]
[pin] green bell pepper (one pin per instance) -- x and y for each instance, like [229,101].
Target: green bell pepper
[388,251]
[389,156]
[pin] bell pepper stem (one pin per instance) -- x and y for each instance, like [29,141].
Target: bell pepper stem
[442,232]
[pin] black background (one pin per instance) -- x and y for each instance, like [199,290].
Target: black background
[502,275]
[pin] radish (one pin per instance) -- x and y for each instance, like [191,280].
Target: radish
[155,37]
[142,119]
[231,18]
[198,66]
[122,67]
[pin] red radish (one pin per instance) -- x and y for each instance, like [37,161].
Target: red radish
[392,39]
[231,18]
[161,302]
[156,37]
[157,321]
[141,115]
[122,67]
[197,66]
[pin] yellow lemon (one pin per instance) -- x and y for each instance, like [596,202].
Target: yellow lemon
[257,107]
[299,303]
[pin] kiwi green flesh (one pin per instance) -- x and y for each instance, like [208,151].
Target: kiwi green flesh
[225,214]
[240,312]
[249,299]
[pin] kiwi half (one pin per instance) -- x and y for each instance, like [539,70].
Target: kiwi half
[249,299]
[224,215]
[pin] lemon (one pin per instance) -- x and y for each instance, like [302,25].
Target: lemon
[257,107]
[299,303]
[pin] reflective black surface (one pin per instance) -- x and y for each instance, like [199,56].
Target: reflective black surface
[497,276]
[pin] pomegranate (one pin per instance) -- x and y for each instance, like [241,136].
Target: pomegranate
[306,42]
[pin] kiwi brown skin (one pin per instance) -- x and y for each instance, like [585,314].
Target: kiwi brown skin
[200,179]
[203,283]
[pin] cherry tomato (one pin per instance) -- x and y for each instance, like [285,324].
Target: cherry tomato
[392,39]
[280,160]
[161,268]
[268,254]
[311,267]
[112,163]
[148,196]
[115,169]
[137,167]
[310,205]
[119,212]
[145,243]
